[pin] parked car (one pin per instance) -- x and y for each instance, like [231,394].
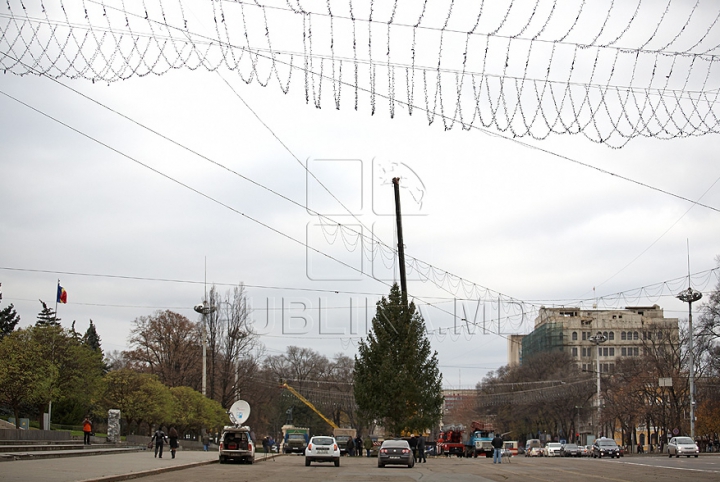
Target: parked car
[552,449]
[396,452]
[605,447]
[570,450]
[322,449]
[235,444]
[682,446]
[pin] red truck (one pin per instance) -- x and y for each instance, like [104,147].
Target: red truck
[450,442]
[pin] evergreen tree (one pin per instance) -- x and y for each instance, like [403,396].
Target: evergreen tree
[397,379]
[8,320]
[91,339]
[47,316]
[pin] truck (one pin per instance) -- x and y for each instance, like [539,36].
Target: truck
[479,439]
[342,435]
[450,442]
[295,439]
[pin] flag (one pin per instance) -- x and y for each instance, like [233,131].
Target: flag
[61,294]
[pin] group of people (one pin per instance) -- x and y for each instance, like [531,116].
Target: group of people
[268,443]
[354,447]
[159,438]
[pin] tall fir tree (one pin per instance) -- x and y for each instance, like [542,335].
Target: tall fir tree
[8,320]
[91,339]
[47,316]
[397,381]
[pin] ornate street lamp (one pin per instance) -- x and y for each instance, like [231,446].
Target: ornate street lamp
[689,296]
[597,339]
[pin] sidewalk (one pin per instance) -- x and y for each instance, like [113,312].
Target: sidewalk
[102,467]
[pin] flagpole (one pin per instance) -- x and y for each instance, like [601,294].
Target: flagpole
[56,298]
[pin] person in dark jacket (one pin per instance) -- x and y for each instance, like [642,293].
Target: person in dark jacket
[350,447]
[358,446]
[413,446]
[159,438]
[497,444]
[173,437]
[421,449]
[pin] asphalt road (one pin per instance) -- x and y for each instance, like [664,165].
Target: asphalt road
[626,469]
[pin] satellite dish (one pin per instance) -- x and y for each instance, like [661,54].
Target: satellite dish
[239,412]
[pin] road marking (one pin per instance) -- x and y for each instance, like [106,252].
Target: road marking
[671,467]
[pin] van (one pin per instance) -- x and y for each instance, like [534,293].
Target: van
[533,448]
[236,444]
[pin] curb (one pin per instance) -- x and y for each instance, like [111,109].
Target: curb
[147,473]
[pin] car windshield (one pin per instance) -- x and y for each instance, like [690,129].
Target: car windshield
[570,446]
[296,436]
[554,445]
[607,443]
[322,441]
[684,440]
[396,444]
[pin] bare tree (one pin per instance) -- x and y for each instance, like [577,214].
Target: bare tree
[168,345]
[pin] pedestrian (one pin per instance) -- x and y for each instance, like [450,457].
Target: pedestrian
[159,438]
[413,445]
[265,445]
[368,445]
[87,430]
[358,446]
[350,447]
[206,441]
[497,444]
[421,449]
[173,437]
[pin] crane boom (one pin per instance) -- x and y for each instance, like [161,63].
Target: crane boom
[309,404]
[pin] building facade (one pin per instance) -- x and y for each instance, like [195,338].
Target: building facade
[626,332]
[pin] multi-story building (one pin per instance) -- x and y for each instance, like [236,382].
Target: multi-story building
[626,332]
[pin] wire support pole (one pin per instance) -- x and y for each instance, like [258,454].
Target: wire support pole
[689,296]
[401,250]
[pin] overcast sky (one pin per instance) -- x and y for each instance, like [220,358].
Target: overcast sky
[128,221]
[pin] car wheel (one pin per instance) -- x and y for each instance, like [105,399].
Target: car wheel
[337,462]
[222,459]
[250,460]
[677,456]
[670,455]
[411,465]
[695,456]
[380,465]
[307,462]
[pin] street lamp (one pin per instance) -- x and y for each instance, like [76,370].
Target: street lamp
[689,296]
[204,309]
[597,339]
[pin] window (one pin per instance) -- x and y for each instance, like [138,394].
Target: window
[612,367]
[574,351]
[605,334]
[583,336]
[636,351]
[599,351]
[574,336]
[623,336]
[635,335]
[605,351]
[612,351]
[623,351]
[584,367]
[611,335]
[606,367]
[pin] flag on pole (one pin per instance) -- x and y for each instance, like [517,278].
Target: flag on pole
[61,294]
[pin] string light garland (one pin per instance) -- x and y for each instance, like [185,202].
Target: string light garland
[555,68]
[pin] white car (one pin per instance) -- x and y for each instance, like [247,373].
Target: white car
[682,446]
[322,449]
[552,449]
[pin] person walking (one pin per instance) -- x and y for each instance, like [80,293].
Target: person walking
[350,447]
[265,444]
[413,445]
[173,437]
[206,441]
[87,430]
[497,444]
[421,449]
[358,446]
[368,445]
[159,438]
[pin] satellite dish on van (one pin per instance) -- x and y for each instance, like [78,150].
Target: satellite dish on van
[239,412]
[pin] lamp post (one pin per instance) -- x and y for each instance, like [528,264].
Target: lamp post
[204,309]
[689,296]
[597,339]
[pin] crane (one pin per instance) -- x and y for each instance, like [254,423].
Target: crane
[309,404]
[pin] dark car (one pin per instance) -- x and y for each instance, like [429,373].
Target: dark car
[395,452]
[570,450]
[605,447]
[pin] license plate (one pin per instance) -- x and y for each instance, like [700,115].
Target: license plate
[394,457]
